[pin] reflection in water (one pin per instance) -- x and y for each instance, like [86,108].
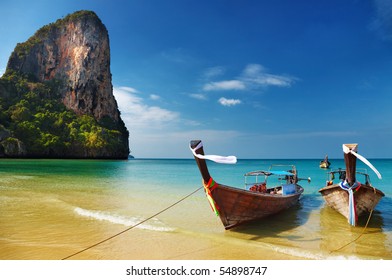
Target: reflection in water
[339,237]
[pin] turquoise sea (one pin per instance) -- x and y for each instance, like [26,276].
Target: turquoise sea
[50,209]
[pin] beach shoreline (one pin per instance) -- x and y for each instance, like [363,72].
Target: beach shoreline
[52,209]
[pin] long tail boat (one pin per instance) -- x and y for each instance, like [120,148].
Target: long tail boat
[350,197]
[236,206]
[325,163]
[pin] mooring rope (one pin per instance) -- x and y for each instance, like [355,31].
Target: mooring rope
[359,236]
[125,230]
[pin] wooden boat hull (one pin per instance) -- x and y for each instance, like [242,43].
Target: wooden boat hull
[366,199]
[238,206]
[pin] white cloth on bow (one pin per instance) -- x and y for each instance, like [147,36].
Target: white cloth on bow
[347,150]
[215,158]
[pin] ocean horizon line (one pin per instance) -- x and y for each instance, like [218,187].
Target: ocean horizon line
[171,158]
[238,158]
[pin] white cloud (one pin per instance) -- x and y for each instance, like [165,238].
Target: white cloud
[198,96]
[157,132]
[257,75]
[136,113]
[271,80]
[154,97]
[225,85]
[229,102]
[213,72]
[254,69]
[253,76]
[127,89]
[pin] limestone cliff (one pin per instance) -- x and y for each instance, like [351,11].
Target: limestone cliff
[74,50]
[74,54]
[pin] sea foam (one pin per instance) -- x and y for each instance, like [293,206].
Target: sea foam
[313,255]
[152,224]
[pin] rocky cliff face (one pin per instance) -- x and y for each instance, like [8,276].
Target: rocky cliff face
[74,50]
[74,54]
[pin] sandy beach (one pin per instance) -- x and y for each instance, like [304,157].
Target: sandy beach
[51,209]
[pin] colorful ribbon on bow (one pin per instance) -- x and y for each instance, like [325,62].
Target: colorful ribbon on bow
[211,185]
[352,212]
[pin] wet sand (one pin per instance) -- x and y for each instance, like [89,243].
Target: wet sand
[142,245]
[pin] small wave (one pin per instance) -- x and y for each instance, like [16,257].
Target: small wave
[153,224]
[311,254]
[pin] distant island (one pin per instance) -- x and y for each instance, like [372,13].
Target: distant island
[56,95]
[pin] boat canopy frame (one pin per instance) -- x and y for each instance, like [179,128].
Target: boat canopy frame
[284,177]
[342,174]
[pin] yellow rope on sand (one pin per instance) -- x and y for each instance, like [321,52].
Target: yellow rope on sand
[359,236]
[149,218]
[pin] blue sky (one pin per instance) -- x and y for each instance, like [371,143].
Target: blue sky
[255,79]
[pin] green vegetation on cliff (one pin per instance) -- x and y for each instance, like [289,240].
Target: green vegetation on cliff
[35,123]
